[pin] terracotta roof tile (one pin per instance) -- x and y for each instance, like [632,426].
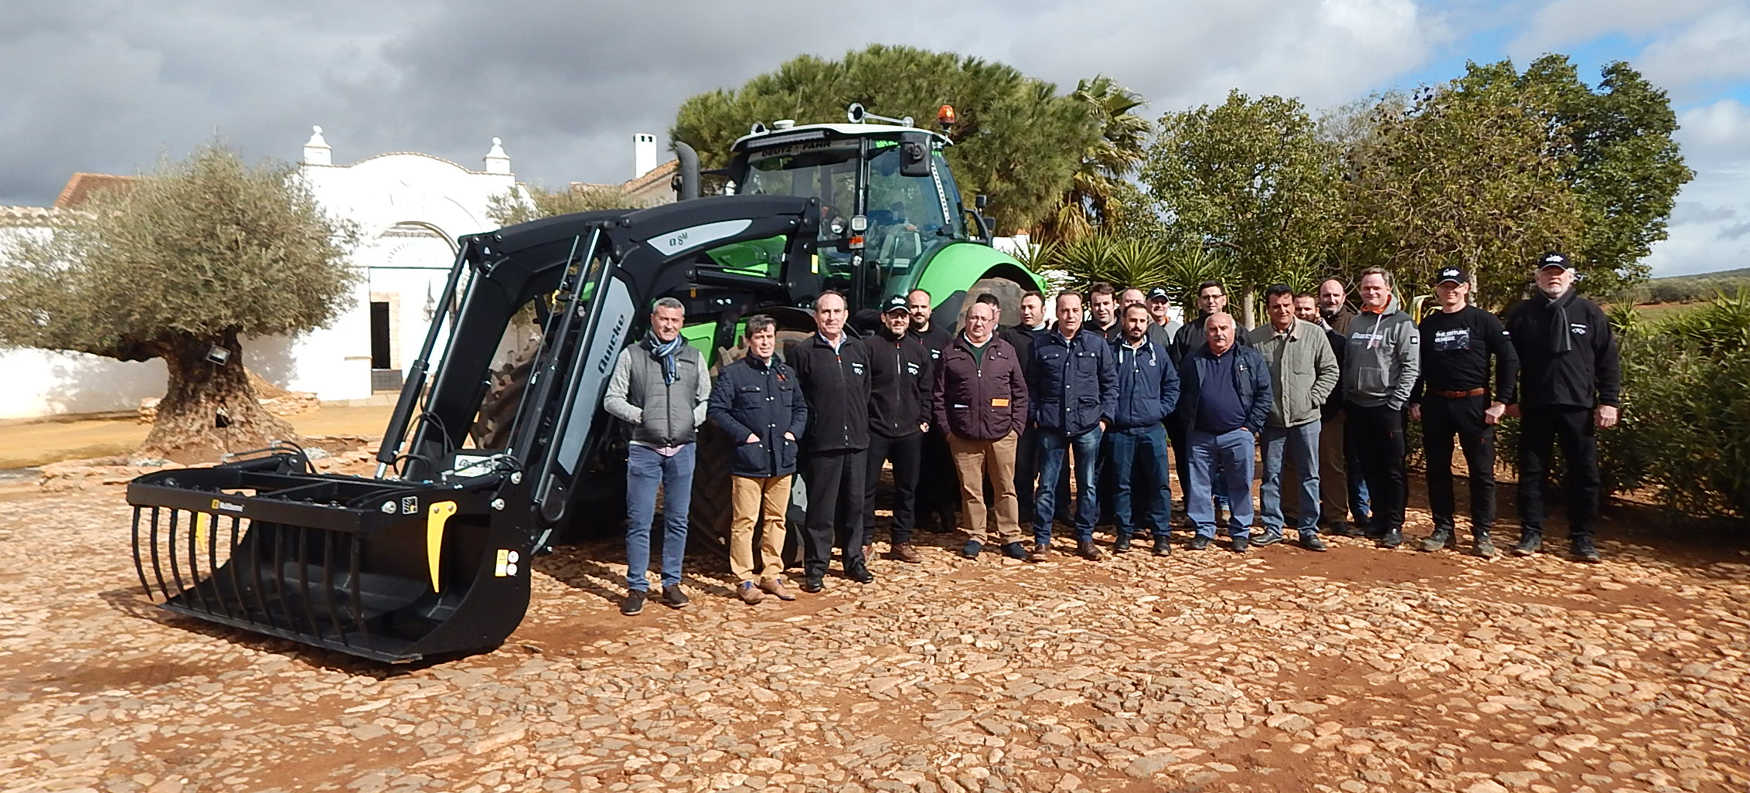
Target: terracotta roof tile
[83,186]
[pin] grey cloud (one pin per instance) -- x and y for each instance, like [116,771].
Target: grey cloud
[1687,212]
[109,86]
[1735,232]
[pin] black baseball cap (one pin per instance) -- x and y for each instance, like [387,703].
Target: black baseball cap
[1555,260]
[1159,293]
[896,303]
[1454,275]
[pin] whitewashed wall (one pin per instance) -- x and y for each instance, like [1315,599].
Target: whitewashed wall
[409,208]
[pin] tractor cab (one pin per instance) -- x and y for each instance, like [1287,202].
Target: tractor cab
[889,203]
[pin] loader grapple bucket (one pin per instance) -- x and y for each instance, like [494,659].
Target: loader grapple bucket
[388,570]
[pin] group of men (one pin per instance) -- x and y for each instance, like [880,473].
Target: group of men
[1011,413]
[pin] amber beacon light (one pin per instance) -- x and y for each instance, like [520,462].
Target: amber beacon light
[945,116]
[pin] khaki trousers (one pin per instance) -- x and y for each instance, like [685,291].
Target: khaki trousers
[975,459]
[752,498]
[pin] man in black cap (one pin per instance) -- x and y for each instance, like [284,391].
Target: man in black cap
[1453,396]
[1570,383]
[900,379]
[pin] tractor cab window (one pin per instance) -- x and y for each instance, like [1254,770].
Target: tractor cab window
[829,173]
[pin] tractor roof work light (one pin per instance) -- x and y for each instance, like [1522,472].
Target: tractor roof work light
[945,117]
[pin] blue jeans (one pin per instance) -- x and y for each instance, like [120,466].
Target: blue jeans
[1303,442]
[1053,447]
[1230,455]
[645,471]
[1139,472]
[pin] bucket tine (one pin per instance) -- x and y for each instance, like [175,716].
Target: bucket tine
[256,532]
[140,566]
[358,606]
[279,575]
[194,574]
[212,540]
[170,546]
[232,563]
[304,580]
[328,585]
[157,569]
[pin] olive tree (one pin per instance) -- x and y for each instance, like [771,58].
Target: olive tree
[181,266]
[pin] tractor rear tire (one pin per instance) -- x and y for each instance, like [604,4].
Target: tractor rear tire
[708,517]
[1007,291]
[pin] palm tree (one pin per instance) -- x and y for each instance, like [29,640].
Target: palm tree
[1092,201]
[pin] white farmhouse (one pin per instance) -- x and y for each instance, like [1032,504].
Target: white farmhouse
[410,208]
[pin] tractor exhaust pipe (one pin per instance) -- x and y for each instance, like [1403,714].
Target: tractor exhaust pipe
[687,179]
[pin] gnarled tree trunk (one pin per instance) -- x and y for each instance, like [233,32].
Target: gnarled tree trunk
[208,408]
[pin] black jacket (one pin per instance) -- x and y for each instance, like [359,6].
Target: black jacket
[836,387]
[1587,375]
[935,340]
[1340,346]
[1191,336]
[755,398]
[1251,376]
[1022,339]
[900,376]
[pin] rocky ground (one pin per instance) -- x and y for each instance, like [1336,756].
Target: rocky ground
[1357,670]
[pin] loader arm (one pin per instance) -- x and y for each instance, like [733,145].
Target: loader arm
[433,561]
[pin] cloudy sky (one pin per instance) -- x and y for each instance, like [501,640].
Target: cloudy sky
[109,85]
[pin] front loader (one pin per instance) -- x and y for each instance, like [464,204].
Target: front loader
[430,557]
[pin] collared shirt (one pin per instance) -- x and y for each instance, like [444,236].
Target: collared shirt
[835,345]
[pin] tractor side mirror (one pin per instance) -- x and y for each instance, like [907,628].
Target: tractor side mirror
[981,201]
[914,154]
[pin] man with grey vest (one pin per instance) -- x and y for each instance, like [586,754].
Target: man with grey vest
[659,386]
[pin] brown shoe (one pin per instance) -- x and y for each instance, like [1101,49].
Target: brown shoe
[750,593]
[1040,553]
[775,587]
[1088,551]
[905,553]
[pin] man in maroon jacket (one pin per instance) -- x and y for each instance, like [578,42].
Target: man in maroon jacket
[980,398]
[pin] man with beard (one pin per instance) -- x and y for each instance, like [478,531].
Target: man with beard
[938,495]
[899,391]
[1570,381]
[1148,390]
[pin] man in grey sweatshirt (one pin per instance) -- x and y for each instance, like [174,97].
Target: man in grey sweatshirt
[1380,368]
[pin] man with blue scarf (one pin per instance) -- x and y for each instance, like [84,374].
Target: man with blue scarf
[659,386]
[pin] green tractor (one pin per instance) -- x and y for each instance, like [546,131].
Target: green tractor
[484,466]
[892,215]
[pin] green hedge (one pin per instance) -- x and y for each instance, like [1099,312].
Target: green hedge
[1685,429]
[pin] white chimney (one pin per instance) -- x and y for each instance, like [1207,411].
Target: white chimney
[643,154]
[316,151]
[496,160]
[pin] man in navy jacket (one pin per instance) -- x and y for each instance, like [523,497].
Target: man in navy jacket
[1072,391]
[1224,400]
[756,403]
[1148,390]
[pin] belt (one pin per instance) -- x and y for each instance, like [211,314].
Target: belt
[1462,394]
